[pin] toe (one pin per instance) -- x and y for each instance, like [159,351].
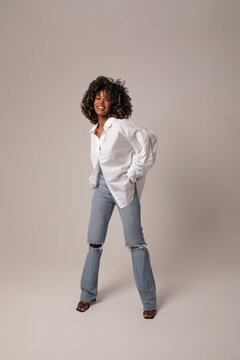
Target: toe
[149,313]
[82,305]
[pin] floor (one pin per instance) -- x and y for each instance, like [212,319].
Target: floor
[197,316]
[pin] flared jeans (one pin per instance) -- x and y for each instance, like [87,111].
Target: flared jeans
[102,207]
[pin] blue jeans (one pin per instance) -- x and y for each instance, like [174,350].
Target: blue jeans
[102,207]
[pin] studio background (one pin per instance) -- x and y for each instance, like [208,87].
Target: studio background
[180,61]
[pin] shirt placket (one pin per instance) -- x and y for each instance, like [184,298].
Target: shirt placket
[99,145]
[100,142]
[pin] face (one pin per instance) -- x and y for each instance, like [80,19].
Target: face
[102,103]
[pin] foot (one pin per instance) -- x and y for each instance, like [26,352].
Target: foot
[83,305]
[149,314]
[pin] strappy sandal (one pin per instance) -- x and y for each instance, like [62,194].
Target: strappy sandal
[86,305]
[149,317]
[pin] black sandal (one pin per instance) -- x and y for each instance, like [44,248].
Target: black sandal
[86,304]
[149,317]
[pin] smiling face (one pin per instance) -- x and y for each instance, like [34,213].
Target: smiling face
[102,103]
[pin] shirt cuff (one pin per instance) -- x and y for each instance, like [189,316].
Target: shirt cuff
[131,176]
[132,179]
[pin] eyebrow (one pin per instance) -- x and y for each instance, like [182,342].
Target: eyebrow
[103,95]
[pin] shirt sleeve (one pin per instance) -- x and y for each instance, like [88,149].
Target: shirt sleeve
[144,143]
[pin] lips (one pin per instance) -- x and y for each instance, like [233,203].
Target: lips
[101,107]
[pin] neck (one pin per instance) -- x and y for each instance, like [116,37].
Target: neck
[102,120]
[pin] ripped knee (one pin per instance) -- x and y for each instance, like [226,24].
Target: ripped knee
[142,246]
[95,245]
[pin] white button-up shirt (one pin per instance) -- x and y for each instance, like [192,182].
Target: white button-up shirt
[125,151]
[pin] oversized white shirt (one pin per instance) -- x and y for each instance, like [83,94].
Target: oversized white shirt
[125,151]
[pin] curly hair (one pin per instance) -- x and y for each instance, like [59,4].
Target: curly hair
[121,106]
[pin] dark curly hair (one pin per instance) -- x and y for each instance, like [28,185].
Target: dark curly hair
[121,106]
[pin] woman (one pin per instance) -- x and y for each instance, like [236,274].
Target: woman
[122,152]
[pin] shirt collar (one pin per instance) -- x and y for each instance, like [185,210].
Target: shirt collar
[108,123]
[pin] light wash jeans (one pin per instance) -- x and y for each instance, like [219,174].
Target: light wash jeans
[101,210]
